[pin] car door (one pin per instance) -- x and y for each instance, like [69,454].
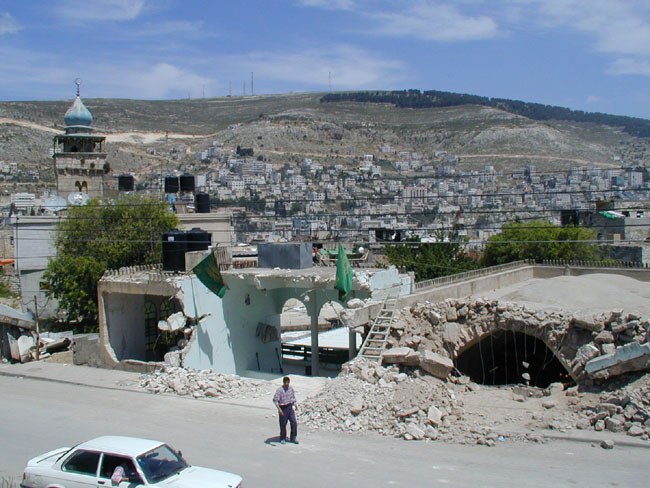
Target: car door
[111,461]
[79,470]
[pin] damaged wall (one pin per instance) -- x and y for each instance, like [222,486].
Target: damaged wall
[125,314]
[589,346]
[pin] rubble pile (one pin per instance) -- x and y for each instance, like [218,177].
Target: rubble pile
[367,396]
[626,409]
[201,384]
[592,347]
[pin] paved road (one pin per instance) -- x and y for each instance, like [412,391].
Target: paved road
[41,415]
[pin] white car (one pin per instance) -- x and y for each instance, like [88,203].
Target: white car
[144,463]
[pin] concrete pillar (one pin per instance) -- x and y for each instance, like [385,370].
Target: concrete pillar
[313,307]
[352,344]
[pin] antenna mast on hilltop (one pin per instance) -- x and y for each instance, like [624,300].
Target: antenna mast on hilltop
[252,91]
[329,80]
[230,88]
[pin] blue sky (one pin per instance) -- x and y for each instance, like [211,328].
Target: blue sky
[591,55]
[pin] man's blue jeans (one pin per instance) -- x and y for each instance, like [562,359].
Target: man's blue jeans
[288,414]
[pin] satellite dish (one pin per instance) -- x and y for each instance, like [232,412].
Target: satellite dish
[55,204]
[78,198]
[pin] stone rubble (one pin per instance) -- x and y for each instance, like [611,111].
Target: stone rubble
[201,384]
[446,327]
[368,397]
[418,395]
[622,408]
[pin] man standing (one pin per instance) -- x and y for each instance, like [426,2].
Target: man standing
[285,401]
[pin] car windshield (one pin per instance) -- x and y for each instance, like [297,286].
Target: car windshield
[161,463]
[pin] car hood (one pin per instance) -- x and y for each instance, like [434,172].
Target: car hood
[197,477]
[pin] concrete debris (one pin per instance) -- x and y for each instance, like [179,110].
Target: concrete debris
[174,322]
[370,397]
[416,394]
[624,409]
[607,444]
[401,355]
[435,364]
[608,341]
[624,359]
[200,384]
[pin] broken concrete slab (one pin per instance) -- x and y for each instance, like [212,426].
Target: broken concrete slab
[588,322]
[435,364]
[631,357]
[401,355]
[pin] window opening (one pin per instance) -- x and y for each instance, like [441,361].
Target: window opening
[83,462]
[110,462]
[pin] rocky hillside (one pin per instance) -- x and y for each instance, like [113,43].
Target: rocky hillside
[287,128]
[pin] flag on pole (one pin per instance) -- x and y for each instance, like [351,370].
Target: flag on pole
[344,274]
[207,271]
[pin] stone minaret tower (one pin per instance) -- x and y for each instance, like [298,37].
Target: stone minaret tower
[79,163]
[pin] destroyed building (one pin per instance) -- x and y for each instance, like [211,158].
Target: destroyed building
[146,314]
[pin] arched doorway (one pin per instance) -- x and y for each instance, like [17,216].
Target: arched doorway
[506,357]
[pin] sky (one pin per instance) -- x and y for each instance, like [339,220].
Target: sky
[591,55]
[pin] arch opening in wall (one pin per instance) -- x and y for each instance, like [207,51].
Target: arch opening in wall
[296,338]
[508,357]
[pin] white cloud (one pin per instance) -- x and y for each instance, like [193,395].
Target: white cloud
[434,21]
[188,29]
[350,67]
[162,80]
[592,99]
[102,10]
[630,66]
[329,4]
[618,26]
[8,24]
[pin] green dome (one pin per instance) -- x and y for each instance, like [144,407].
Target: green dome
[78,114]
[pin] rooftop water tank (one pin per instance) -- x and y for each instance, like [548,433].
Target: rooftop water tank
[174,246]
[202,203]
[125,182]
[187,182]
[171,184]
[198,239]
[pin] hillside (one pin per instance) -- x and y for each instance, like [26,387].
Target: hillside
[287,128]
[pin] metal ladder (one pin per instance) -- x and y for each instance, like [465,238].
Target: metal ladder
[375,342]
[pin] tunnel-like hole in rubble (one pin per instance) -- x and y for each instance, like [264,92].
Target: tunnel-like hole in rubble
[504,357]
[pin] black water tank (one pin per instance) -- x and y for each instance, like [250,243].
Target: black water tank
[187,182]
[198,240]
[125,182]
[171,184]
[174,246]
[202,203]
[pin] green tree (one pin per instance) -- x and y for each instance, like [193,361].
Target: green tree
[431,260]
[540,240]
[97,237]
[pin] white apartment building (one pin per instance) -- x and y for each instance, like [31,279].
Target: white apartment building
[23,200]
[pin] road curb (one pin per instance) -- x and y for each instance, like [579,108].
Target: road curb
[590,440]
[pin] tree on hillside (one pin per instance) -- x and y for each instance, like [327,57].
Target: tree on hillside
[431,259]
[97,237]
[540,240]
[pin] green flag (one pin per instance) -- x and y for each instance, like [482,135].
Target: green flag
[207,271]
[344,274]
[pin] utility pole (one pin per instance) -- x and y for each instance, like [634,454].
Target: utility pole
[329,76]
[38,332]
[252,91]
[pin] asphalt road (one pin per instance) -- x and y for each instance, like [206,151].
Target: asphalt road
[37,416]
